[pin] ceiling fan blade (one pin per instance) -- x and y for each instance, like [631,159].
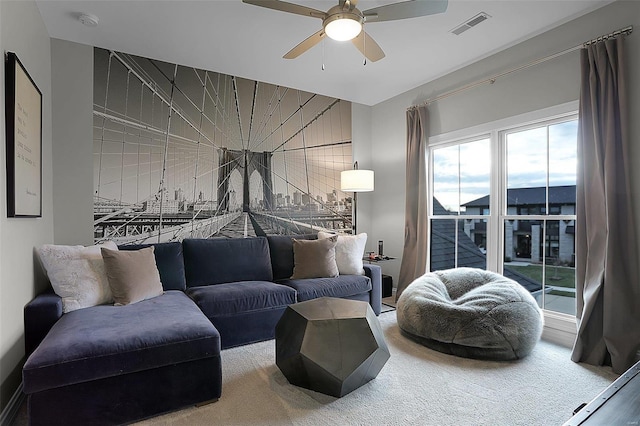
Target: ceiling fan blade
[405,9]
[288,7]
[307,44]
[368,47]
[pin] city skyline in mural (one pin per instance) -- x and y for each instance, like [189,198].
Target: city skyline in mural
[181,152]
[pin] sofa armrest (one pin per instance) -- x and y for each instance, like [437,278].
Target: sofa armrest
[374,272]
[40,315]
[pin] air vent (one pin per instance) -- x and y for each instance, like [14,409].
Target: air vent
[480,17]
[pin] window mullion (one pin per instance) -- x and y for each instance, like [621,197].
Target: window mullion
[548,162]
[429,203]
[495,232]
[544,262]
[457,221]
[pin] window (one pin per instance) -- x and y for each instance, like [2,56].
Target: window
[460,205]
[505,201]
[541,167]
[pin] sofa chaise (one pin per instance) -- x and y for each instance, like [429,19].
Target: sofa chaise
[115,364]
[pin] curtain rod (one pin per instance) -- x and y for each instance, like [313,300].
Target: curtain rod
[624,31]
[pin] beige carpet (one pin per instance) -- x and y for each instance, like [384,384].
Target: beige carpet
[417,386]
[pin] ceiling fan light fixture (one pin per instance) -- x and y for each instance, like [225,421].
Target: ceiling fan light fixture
[343,27]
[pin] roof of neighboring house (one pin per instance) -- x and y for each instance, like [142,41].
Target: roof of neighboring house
[443,248]
[532,196]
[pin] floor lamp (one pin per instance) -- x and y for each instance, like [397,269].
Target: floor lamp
[355,181]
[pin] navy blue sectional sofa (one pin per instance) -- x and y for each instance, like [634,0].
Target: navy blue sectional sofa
[116,364]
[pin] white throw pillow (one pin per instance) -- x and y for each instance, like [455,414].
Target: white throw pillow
[77,274]
[349,252]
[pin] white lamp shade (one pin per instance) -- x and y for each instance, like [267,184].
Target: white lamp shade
[356,180]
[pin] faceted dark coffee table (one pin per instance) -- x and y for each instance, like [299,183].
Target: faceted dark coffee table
[330,345]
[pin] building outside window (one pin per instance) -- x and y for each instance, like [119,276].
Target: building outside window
[532,201]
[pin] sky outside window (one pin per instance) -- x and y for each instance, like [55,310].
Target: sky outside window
[563,160]
[527,156]
[461,173]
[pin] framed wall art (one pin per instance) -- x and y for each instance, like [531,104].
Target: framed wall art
[24,140]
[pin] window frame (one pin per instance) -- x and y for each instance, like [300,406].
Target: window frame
[544,216]
[459,217]
[496,131]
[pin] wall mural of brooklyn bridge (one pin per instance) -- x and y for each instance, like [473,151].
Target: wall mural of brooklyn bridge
[181,152]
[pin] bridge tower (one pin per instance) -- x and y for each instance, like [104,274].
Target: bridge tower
[249,162]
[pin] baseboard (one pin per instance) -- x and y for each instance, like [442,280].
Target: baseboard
[10,412]
[559,329]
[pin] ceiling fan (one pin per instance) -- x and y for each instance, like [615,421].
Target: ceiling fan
[345,21]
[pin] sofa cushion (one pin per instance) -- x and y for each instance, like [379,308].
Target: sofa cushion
[241,297]
[281,248]
[226,260]
[105,341]
[169,262]
[340,286]
[133,275]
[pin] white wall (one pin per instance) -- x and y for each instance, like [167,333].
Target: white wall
[71,69]
[361,138]
[548,84]
[23,32]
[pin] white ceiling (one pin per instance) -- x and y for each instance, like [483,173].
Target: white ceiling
[235,38]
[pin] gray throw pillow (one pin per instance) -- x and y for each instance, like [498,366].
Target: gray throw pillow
[315,258]
[133,275]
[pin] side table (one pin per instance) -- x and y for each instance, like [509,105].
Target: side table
[387,280]
[330,345]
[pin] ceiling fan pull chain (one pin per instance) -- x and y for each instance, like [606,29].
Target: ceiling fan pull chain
[322,54]
[364,48]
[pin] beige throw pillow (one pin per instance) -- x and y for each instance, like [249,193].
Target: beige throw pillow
[133,275]
[349,252]
[314,258]
[77,274]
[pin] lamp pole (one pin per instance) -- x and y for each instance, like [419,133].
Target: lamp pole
[354,213]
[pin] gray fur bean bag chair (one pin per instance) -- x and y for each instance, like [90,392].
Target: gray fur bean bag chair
[471,313]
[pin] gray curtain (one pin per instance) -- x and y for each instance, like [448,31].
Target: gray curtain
[607,285]
[416,237]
